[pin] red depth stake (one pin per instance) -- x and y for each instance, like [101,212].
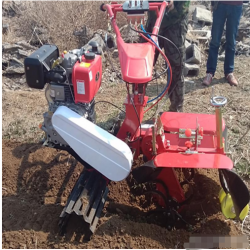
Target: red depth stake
[188,144]
[201,131]
[188,132]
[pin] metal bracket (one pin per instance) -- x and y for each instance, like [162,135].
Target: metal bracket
[183,136]
[190,152]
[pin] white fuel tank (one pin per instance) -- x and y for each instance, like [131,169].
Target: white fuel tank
[106,153]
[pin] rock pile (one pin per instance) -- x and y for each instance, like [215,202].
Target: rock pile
[13,57]
[243,44]
[199,31]
[13,64]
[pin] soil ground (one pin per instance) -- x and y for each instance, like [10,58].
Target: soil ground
[37,182]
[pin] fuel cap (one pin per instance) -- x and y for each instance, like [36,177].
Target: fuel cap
[89,56]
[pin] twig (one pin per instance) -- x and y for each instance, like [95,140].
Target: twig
[68,161]
[203,211]
[239,140]
[237,160]
[243,224]
[177,244]
[36,243]
[32,34]
[243,76]
[38,38]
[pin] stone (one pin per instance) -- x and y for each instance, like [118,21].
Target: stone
[5,28]
[11,47]
[97,38]
[111,41]
[191,38]
[242,49]
[202,15]
[193,54]
[115,53]
[193,7]
[26,45]
[14,70]
[201,34]
[187,44]
[189,82]
[15,62]
[221,57]
[5,63]
[191,70]
[23,53]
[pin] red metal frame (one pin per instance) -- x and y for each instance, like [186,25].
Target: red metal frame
[172,151]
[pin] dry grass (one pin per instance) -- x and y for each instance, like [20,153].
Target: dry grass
[56,21]
[61,19]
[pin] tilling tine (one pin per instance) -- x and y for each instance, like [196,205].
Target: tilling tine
[91,196]
[79,186]
[83,199]
[99,210]
[97,196]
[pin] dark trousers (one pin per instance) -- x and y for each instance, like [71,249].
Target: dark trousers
[177,34]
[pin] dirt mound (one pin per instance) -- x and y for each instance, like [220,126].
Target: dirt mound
[37,182]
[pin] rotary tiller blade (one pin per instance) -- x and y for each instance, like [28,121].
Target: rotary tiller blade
[233,184]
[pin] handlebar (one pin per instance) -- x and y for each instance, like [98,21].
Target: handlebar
[112,9]
[101,7]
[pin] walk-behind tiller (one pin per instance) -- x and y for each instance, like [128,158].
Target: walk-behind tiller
[173,141]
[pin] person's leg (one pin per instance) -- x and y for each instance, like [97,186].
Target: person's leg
[219,18]
[177,34]
[233,20]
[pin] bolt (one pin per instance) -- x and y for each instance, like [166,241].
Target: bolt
[168,214]
[177,207]
[178,219]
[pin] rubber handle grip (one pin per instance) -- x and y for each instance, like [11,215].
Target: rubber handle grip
[101,7]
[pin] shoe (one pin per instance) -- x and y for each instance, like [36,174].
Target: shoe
[231,79]
[208,79]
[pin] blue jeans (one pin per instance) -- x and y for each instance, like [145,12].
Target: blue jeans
[230,14]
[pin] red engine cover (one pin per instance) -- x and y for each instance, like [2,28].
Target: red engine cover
[86,79]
